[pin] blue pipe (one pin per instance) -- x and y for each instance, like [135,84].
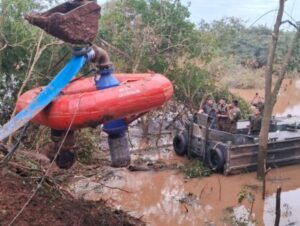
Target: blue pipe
[118,127]
[46,96]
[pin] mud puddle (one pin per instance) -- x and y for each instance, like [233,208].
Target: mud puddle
[167,197]
[288,100]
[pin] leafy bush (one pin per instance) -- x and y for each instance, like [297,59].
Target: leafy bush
[196,169]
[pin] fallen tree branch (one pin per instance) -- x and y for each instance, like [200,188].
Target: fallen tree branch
[138,168]
[117,188]
[202,190]
[153,147]
[277,211]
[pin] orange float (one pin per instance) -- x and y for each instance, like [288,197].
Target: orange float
[81,105]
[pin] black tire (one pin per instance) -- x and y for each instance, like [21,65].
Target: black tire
[65,159]
[216,160]
[180,143]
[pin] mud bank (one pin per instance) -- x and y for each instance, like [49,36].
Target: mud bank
[168,198]
[49,207]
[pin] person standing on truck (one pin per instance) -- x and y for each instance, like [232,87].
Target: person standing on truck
[234,114]
[210,108]
[258,102]
[255,122]
[222,115]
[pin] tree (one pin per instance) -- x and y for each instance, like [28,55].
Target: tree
[153,35]
[271,94]
[19,45]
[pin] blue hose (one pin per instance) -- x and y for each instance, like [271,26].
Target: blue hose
[45,97]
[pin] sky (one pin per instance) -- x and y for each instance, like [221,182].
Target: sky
[248,10]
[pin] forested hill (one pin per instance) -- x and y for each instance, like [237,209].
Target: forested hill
[140,35]
[249,45]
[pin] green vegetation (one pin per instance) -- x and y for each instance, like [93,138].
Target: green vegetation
[196,169]
[141,36]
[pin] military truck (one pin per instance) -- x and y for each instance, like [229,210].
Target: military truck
[234,153]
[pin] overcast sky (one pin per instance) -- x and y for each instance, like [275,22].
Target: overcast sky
[248,10]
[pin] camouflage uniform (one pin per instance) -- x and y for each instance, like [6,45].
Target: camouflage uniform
[210,110]
[234,115]
[212,113]
[222,120]
[255,124]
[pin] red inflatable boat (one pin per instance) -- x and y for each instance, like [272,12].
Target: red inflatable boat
[84,106]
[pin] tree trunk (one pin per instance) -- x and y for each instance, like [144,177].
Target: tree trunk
[263,136]
[271,95]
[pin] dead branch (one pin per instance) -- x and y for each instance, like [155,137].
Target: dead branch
[220,188]
[4,47]
[158,135]
[116,49]
[133,168]
[153,147]
[278,212]
[179,114]
[117,188]
[202,190]
[185,207]
[290,22]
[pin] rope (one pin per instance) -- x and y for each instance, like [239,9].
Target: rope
[15,147]
[47,171]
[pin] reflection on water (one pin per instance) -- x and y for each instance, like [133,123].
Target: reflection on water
[241,216]
[288,99]
[158,197]
[290,208]
[166,197]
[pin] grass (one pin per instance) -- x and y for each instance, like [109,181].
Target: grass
[196,169]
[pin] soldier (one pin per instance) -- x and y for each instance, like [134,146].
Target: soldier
[209,107]
[234,114]
[255,122]
[222,115]
[258,102]
[211,110]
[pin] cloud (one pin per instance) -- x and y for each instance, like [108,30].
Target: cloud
[248,11]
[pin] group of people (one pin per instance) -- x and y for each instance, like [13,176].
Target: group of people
[223,116]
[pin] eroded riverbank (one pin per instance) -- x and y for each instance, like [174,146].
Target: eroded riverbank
[167,197]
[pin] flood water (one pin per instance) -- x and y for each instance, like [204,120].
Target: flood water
[288,100]
[167,197]
[290,208]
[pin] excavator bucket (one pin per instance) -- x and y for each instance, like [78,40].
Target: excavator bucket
[74,22]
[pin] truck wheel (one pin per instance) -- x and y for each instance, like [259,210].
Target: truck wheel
[217,160]
[65,159]
[180,143]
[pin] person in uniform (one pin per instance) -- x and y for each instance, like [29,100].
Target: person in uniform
[210,108]
[234,114]
[222,115]
[255,122]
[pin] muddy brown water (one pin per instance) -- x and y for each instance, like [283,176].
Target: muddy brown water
[167,197]
[288,100]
